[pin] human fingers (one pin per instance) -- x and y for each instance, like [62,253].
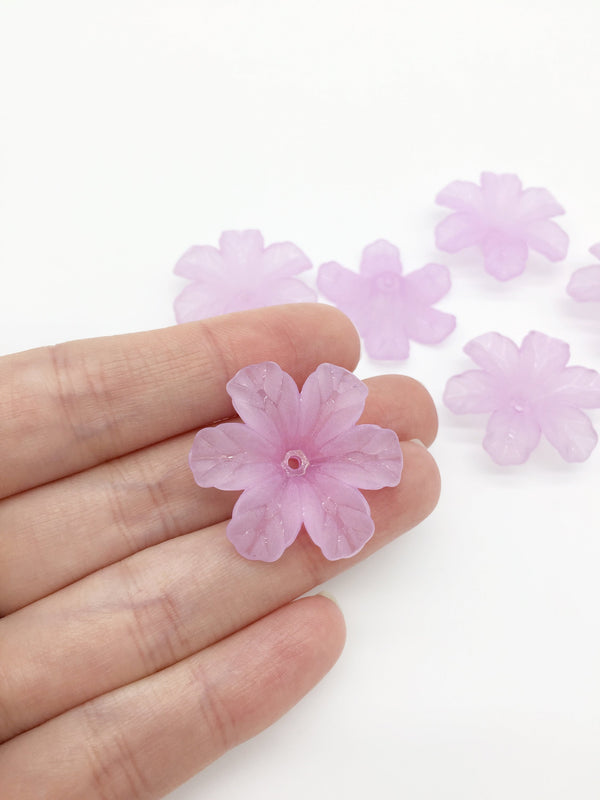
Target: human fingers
[165,602]
[404,405]
[58,533]
[141,741]
[66,408]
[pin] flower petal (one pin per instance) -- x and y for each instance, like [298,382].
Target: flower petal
[374,313]
[494,353]
[458,231]
[547,238]
[342,286]
[366,456]
[542,356]
[331,402]
[197,301]
[535,204]
[505,257]
[428,325]
[461,196]
[472,392]
[231,456]
[386,340]
[500,192]
[201,263]
[242,250]
[283,260]
[511,437]
[570,431]
[380,256]
[585,284]
[267,399]
[428,284]
[595,250]
[278,291]
[576,386]
[266,519]
[336,516]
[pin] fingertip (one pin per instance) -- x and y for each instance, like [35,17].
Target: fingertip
[427,409]
[326,622]
[404,405]
[423,478]
[305,335]
[400,508]
[338,333]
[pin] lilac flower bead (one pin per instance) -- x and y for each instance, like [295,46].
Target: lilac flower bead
[240,275]
[389,308]
[528,391]
[504,220]
[300,459]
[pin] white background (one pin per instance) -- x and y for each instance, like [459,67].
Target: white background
[131,130]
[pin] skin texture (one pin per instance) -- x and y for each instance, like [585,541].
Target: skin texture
[136,645]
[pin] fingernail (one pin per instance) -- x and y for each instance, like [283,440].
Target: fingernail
[329,597]
[419,442]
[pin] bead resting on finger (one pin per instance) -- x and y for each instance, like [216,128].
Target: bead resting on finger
[300,459]
[241,274]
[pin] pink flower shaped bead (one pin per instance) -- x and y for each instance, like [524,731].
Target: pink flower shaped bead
[528,391]
[503,220]
[584,285]
[387,307]
[300,459]
[241,274]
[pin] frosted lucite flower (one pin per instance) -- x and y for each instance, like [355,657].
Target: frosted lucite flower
[528,391]
[503,220]
[300,458]
[241,274]
[584,285]
[387,307]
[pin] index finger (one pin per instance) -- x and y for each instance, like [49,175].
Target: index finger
[69,407]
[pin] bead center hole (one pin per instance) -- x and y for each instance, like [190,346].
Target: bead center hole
[519,405]
[388,281]
[295,462]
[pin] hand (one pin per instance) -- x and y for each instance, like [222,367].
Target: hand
[136,646]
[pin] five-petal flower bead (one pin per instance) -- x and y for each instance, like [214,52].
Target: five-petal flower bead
[300,459]
[503,220]
[241,274]
[387,307]
[528,391]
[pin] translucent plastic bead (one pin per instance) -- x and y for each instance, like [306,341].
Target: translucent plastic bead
[300,458]
[503,220]
[529,391]
[389,308]
[240,275]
